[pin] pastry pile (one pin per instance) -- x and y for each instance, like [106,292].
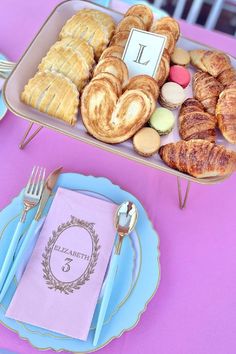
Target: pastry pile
[114,108]
[87,60]
[213,105]
[67,66]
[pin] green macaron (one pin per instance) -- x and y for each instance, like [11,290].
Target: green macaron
[162,120]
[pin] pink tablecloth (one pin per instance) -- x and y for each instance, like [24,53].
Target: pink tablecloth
[194,310]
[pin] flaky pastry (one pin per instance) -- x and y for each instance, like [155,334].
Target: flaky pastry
[226,113]
[113,51]
[54,94]
[199,158]
[167,24]
[194,123]
[114,66]
[114,82]
[67,62]
[164,68]
[80,46]
[145,83]
[206,89]
[120,39]
[129,22]
[142,11]
[113,121]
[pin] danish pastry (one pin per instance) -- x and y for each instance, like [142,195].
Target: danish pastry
[54,94]
[80,46]
[113,121]
[226,113]
[194,123]
[67,62]
[113,51]
[167,24]
[206,89]
[199,158]
[129,22]
[145,83]
[114,66]
[143,12]
[93,26]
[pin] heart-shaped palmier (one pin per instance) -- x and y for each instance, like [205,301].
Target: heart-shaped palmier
[114,66]
[111,120]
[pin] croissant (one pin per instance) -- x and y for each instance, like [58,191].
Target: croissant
[206,89]
[227,77]
[226,113]
[199,158]
[212,62]
[194,123]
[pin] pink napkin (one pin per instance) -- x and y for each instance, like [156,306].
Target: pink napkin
[61,284]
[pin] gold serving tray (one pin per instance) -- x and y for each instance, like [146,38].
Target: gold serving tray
[27,66]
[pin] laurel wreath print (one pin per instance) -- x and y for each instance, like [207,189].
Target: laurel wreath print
[69,287]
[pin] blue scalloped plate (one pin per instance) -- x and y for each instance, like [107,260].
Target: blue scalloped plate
[130,300]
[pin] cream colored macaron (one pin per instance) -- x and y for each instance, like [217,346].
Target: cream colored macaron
[172,95]
[146,142]
[180,57]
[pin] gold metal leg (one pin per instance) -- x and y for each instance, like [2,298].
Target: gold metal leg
[182,203]
[26,141]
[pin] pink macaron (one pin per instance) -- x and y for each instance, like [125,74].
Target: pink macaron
[180,75]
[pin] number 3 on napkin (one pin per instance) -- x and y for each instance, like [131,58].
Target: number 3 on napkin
[143,52]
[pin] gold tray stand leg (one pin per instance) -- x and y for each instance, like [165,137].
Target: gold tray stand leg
[28,138]
[183,201]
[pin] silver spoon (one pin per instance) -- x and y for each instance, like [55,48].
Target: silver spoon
[125,221]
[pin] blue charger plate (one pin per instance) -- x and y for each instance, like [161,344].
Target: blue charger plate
[128,301]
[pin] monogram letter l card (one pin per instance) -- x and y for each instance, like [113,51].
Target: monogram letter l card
[61,284]
[143,52]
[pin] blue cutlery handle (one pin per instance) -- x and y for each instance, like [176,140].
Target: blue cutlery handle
[19,258]
[106,296]
[10,252]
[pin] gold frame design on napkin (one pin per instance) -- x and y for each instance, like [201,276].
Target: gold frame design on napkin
[68,287]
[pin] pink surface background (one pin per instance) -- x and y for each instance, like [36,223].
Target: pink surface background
[194,310]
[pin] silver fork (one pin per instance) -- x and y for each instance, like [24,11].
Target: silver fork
[33,190]
[32,195]
[6,65]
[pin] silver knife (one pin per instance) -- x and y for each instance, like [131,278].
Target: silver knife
[35,226]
